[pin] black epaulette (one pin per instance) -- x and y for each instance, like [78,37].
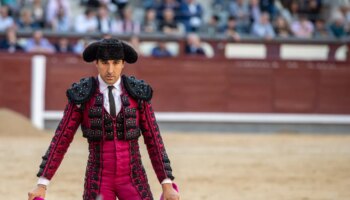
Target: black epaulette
[138,89]
[82,91]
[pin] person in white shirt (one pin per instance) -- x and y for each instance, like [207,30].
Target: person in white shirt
[263,28]
[6,21]
[104,20]
[87,22]
[113,111]
[127,24]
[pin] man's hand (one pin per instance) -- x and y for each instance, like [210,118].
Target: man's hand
[169,193]
[39,191]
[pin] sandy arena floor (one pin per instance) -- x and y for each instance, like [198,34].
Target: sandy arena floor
[206,166]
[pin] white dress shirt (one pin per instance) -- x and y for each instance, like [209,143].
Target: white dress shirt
[117,91]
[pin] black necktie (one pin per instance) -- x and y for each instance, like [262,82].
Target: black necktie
[112,109]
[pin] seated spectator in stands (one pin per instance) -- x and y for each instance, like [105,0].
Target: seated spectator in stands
[263,28]
[14,6]
[161,51]
[231,29]
[302,28]
[58,15]
[26,21]
[213,27]
[191,15]
[254,10]
[150,23]
[126,25]
[122,5]
[81,44]
[311,9]
[337,26]
[174,5]
[63,46]
[6,21]
[291,14]
[106,36]
[268,6]
[37,9]
[87,22]
[194,45]
[61,22]
[168,25]
[135,43]
[322,30]
[281,27]
[10,43]
[39,44]
[104,20]
[240,10]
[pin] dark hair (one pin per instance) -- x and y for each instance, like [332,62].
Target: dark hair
[216,17]
[231,17]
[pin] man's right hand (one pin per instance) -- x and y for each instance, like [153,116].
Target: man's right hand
[39,191]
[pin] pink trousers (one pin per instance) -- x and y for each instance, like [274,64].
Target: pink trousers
[116,182]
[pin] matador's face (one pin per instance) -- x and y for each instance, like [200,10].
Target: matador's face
[110,70]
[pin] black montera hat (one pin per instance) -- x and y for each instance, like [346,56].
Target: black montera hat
[110,49]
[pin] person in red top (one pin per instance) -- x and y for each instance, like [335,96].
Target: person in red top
[113,111]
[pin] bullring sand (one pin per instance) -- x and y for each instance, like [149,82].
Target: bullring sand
[206,166]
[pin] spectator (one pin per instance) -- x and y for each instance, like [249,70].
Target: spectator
[268,6]
[6,21]
[167,4]
[122,5]
[302,28]
[191,15]
[240,10]
[161,51]
[81,44]
[104,21]
[63,46]
[54,7]
[150,23]
[87,22]
[38,13]
[338,26]
[169,25]
[231,29]
[10,43]
[254,10]
[39,44]
[321,30]
[13,5]
[292,13]
[213,26]
[135,43]
[310,8]
[106,36]
[313,9]
[126,25]
[194,45]
[281,27]
[61,22]
[26,21]
[263,28]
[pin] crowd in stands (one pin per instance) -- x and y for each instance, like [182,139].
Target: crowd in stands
[233,19]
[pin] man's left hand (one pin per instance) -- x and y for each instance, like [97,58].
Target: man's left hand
[169,193]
